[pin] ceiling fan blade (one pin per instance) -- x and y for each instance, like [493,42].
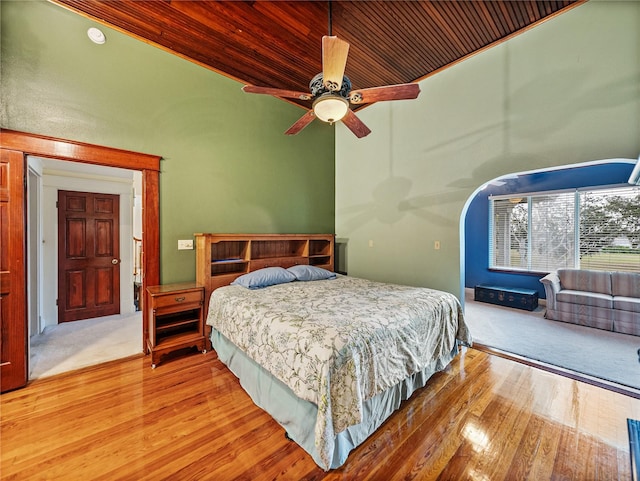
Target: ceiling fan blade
[252,89]
[355,125]
[301,123]
[388,92]
[334,61]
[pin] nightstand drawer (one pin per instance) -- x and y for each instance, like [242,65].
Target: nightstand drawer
[177,298]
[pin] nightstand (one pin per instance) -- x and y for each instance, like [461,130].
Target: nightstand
[175,318]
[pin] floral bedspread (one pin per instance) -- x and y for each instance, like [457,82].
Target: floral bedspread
[339,342]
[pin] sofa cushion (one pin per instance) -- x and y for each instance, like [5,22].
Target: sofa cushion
[585,298]
[626,322]
[631,304]
[625,284]
[585,280]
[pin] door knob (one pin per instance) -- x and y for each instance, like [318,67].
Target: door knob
[114,261]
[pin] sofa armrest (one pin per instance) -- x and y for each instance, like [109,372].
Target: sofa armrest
[552,286]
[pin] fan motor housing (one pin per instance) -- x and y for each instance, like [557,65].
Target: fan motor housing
[317,88]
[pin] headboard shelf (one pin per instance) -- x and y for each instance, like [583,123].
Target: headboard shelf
[221,258]
[221,268]
[267,249]
[320,247]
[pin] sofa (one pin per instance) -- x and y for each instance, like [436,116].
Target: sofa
[606,300]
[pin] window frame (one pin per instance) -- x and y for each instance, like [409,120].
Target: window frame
[528,196]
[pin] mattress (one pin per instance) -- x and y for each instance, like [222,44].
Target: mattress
[338,345]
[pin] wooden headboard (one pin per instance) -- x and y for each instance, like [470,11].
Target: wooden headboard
[221,258]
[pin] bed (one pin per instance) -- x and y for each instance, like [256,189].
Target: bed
[331,358]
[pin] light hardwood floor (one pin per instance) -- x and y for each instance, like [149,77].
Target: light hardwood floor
[484,418]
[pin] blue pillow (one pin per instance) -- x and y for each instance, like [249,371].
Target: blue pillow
[269,276]
[311,273]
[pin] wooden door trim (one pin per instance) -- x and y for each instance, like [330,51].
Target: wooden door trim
[149,165]
[61,149]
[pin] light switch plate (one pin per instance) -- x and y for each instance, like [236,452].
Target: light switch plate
[185,244]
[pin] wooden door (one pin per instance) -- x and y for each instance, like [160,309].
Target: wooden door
[88,255]
[13,274]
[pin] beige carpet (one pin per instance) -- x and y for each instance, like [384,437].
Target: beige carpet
[73,345]
[602,354]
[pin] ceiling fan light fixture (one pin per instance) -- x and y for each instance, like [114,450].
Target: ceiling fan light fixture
[330,107]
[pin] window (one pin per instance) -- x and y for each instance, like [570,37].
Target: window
[588,229]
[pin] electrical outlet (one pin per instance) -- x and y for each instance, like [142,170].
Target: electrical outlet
[370,243]
[185,244]
[436,245]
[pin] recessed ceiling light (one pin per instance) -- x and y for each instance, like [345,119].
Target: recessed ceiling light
[96,36]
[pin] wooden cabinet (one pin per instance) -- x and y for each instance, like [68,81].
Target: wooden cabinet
[221,258]
[175,317]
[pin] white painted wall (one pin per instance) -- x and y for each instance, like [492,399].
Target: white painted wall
[54,179]
[564,92]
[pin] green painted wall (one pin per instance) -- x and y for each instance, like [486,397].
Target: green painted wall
[227,167]
[564,92]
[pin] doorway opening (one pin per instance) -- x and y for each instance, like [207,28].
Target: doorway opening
[56,346]
[16,147]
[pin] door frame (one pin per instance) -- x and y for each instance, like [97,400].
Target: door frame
[148,165]
[34,239]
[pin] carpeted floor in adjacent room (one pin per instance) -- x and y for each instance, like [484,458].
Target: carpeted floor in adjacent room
[77,344]
[602,354]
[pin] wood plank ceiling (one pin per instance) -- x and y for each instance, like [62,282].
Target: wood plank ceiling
[278,43]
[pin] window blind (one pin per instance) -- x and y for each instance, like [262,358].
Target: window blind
[509,239]
[589,229]
[553,232]
[610,229]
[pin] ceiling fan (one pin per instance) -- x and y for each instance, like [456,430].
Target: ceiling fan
[331,91]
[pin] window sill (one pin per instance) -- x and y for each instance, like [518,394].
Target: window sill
[518,271]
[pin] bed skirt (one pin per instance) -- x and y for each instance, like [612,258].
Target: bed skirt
[298,417]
